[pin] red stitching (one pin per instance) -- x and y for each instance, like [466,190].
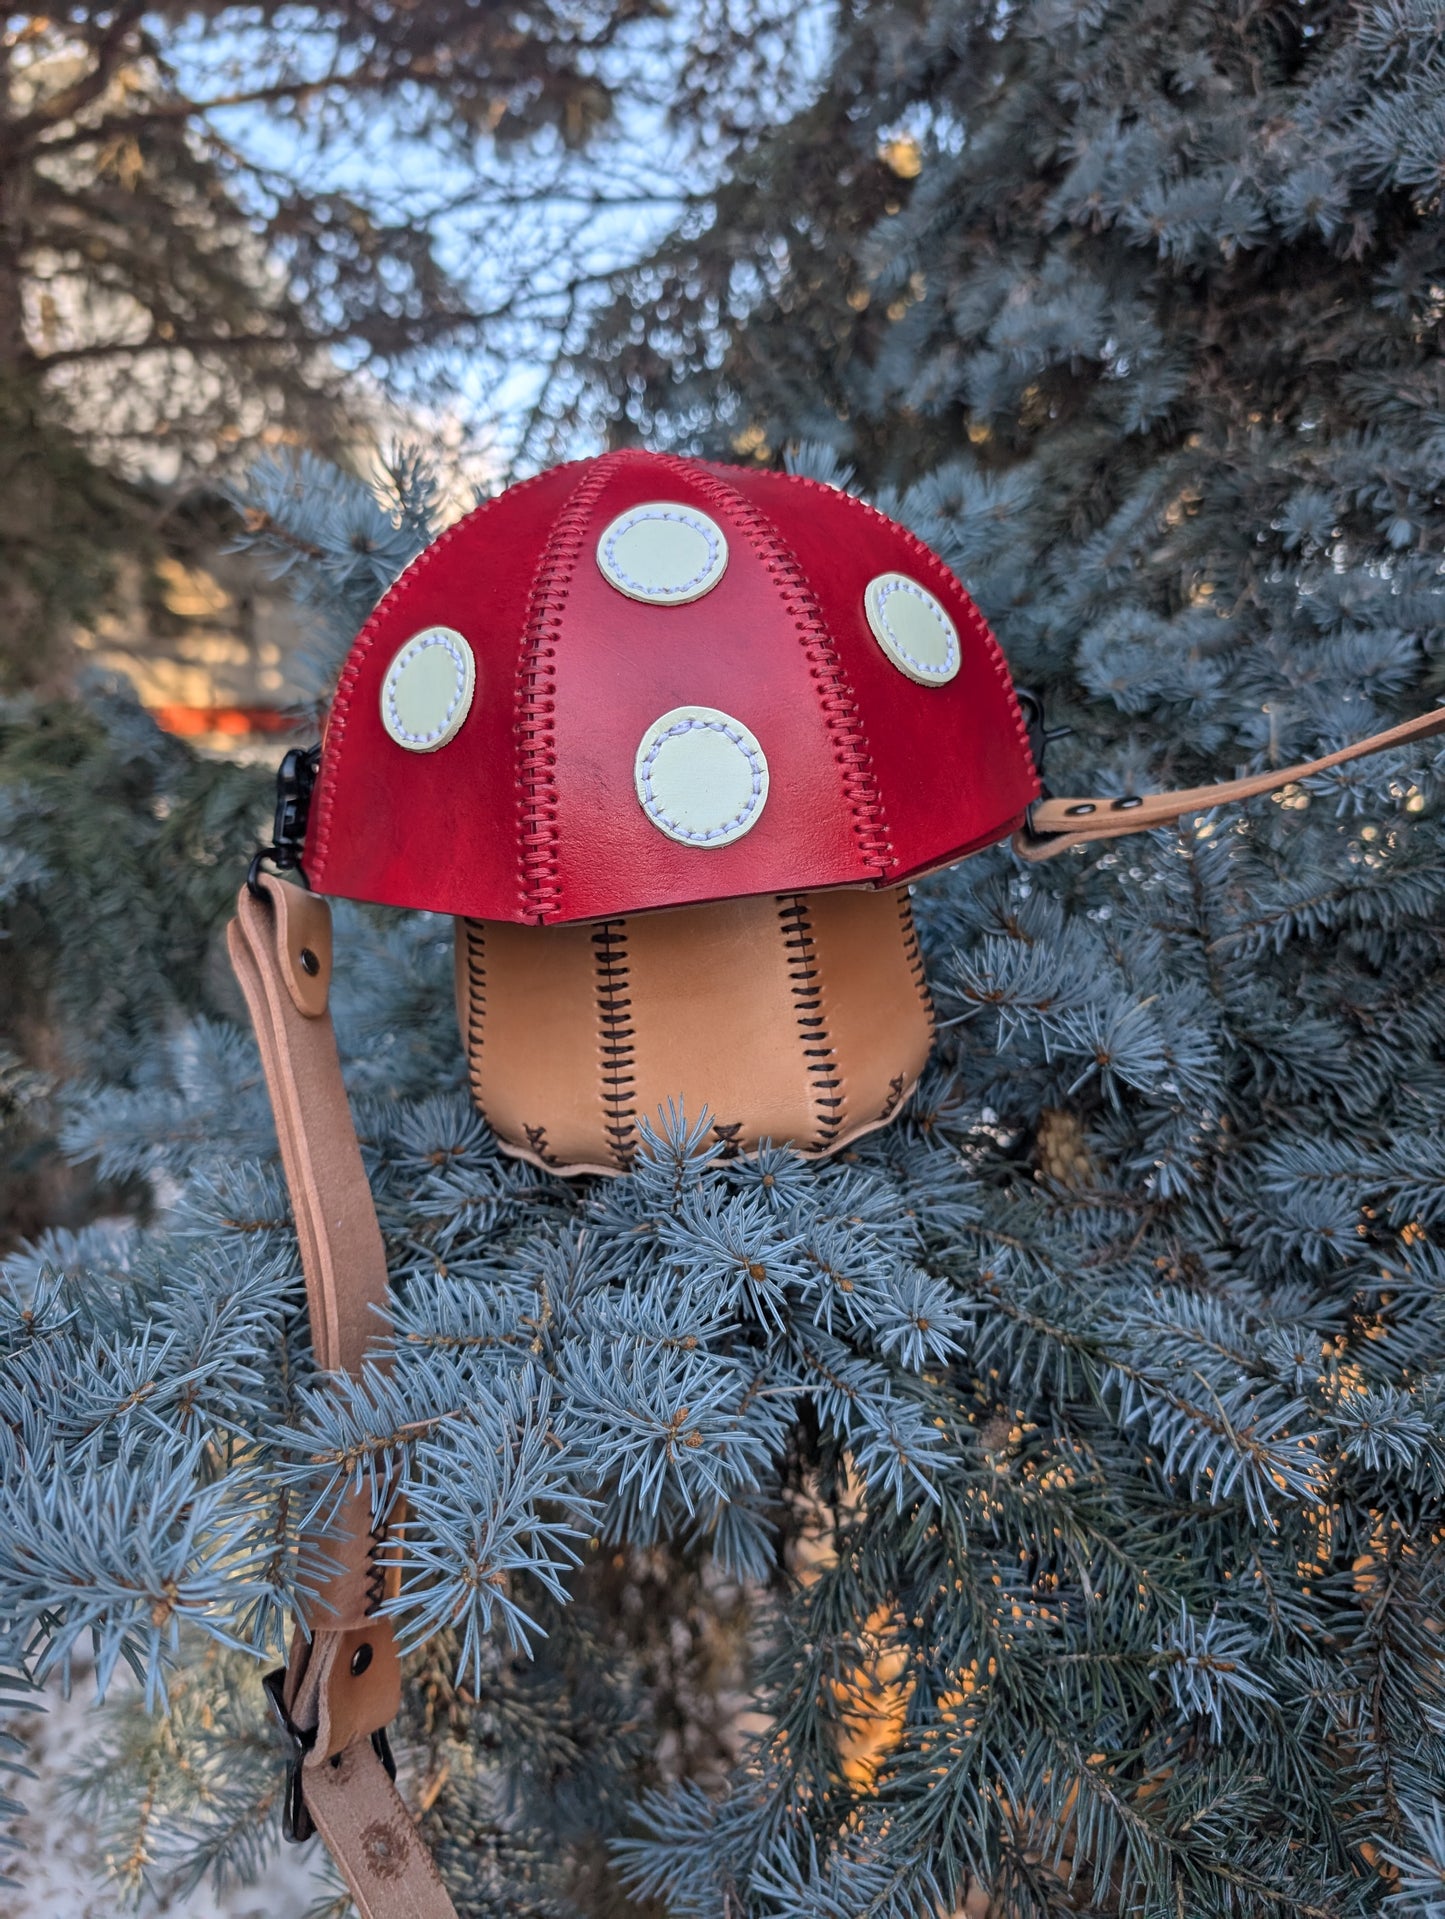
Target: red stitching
[536,728]
[836,697]
[940,573]
[335,729]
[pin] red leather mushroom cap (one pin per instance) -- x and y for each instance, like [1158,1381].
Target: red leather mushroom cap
[527,800]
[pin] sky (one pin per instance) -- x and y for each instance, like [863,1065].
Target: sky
[520,223]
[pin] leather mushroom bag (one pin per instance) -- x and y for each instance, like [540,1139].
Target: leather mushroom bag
[798,1017]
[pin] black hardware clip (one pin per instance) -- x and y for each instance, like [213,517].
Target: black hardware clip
[295,782]
[1031,705]
[297,1824]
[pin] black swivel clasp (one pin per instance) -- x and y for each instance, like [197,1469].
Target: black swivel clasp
[296,1825]
[1031,705]
[295,782]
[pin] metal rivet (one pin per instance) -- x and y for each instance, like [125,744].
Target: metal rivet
[309,962]
[1074,812]
[1128,805]
[360,1660]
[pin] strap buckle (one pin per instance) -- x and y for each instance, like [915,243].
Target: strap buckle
[297,1825]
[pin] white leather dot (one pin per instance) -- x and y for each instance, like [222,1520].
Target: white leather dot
[428,688]
[663,554]
[701,776]
[912,628]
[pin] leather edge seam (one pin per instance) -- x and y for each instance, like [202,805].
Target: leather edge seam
[913,957]
[333,732]
[839,703]
[535,723]
[476,965]
[819,1061]
[616,1035]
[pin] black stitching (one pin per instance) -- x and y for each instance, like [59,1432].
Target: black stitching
[616,1034]
[913,954]
[476,1006]
[376,1570]
[808,1012]
[896,1088]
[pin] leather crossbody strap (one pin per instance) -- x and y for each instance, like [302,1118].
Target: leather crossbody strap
[1054,825]
[342,1684]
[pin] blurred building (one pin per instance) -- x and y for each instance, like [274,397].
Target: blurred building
[205,638]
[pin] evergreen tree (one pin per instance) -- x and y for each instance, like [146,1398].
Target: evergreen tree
[1076,1446]
[118,847]
[199,251]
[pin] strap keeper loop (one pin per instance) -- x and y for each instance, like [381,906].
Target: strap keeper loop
[1028,833]
[297,1825]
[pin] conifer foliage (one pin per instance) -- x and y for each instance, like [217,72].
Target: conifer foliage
[1074,1448]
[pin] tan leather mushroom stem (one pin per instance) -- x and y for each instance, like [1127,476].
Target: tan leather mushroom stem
[343,1681]
[1054,825]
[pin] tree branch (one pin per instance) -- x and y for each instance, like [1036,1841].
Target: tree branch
[181,108]
[75,99]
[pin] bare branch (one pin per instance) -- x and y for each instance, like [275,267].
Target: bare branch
[110,49]
[178,109]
